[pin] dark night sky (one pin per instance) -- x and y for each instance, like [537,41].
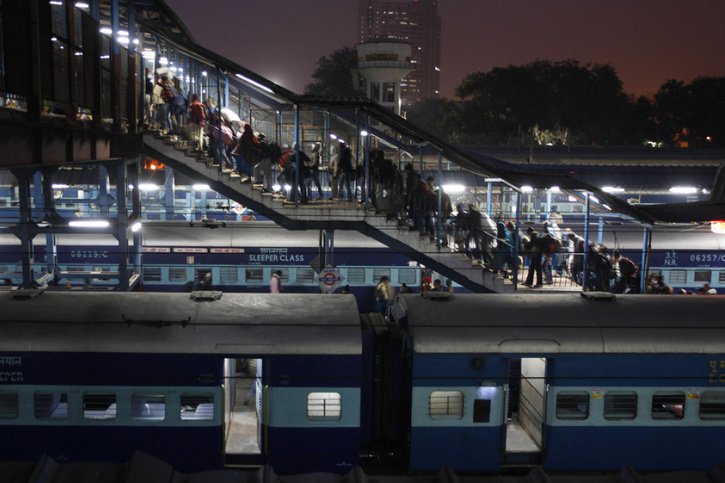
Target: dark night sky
[647,41]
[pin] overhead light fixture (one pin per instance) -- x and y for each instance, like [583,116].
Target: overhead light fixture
[123,33]
[203,73]
[594,198]
[89,223]
[333,137]
[364,133]
[106,30]
[122,40]
[454,189]
[134,222]
[82,5]
[200,187]
[606,206]
[612,189]
[492,180]
[683,190]
[59,186]
[148,187]
[255,83]
[527,189]
[163,61]
[554,189]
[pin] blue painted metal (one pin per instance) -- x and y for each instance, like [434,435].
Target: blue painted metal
[585,284]
[295,450]
[517,241]
[461,448]
[642,448]
[296,187]
[646,249]
[489,198]
[122,225]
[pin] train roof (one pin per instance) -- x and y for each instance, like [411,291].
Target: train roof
[235,324]
[568,323]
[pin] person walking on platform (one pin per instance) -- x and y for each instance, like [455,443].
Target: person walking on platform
[275,283]
[344,165]
[383,294]
[533,247]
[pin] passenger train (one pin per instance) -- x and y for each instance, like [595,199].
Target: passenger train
[242,257]
[473,382]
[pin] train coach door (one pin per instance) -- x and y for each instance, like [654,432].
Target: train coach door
[525,409]
[243,411]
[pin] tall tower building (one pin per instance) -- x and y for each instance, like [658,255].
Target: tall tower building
[415,22]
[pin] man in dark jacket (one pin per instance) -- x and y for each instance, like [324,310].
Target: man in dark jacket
[534,251]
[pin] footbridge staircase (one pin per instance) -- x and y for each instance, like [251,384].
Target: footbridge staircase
[327,215]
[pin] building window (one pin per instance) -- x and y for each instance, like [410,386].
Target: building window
[50,405]
[389,92]
[668,405]
[375,91]
[148,407]
[445,403]
[620,406]
[199,407]
[8,405]
[712,405]
[324,406]
[572,405]
[99,406]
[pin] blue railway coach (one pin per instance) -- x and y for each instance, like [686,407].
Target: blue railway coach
[96,376]
[570,382]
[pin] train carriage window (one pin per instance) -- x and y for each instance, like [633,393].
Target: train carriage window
[703,275]
[721,277]
[177,274]
[408,276]
[380,272]
[668,405]
[305,275]
[356,275]
[254,274]
[99,405]
[197,407]
[620,406]
[50,405]
[8,405]
[151,274]
[228,275]
[572,405]
[712,405]
[678,277]
[148,407]
[285,273]
[445,404]
[324,406]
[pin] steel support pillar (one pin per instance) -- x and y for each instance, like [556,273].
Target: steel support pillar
[585,281]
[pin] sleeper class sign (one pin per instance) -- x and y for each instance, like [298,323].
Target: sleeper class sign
[329,279]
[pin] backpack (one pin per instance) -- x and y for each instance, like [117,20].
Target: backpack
[168,93]
[627,267]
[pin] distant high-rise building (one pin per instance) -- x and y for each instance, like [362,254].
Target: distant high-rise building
[417,23]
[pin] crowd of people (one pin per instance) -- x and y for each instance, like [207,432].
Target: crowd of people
[415,202]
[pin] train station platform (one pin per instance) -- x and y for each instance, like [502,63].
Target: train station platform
[330,214]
